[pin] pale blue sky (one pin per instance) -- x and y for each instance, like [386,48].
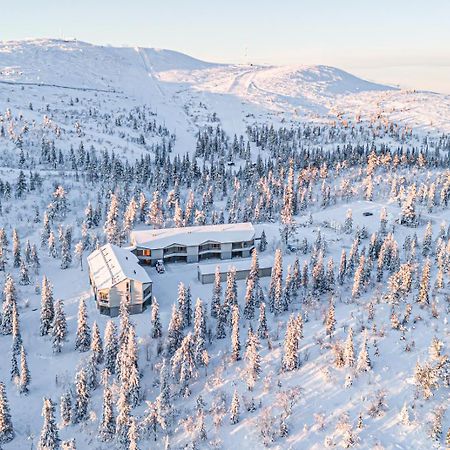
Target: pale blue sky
[396,41]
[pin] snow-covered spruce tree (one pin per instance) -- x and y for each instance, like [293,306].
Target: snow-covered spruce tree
[16,335]
[65,408]
[184,366]
[122,420]
[10,301]
[66,250]
[174,333]
[276,279]
[253,360]
[235,341]
[263,332]
[234,409]
[96,344]
[47,307]
[330,321]
[51,245]
[424,288]
[291,345]
[107,428]
[163,404]
[7,433]
[49,437]
[129,217]
[82,397]
[129,374]
[14,372]
[59,327]
[111,346]
[111,227]
[230,294]
[92,373]
[35,262]
[348,224]
[249,308]
[133,435]
[217,294]
[364,364]
[221,323]
[263,242]
[83,338]
[184,305]
[349,352]
[16,249]
[408,214]
[25,377]
[427,240]
[342,267]
[79,250]
[156,332]
[24,279]
[199,332]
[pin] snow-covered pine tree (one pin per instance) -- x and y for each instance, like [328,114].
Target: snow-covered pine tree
[349,352]
[174,332]
[364,364]
[253,360]
[24,279]
[234,409]
[25,377]
[83,338]
[10,301]
[59,327]
[184,366]
[49,437]
[16,249]
[235,341]
[217,294]
[47,307]
[96,344]
[111,346]
[82,397]
[107,428]
[122,420]
[263,332]
[156,332]
[7,433]
[65,407]
[111,227]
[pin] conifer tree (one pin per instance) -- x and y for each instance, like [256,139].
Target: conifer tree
[235,342]
[83,338]
[234,409]
[16,249]
[47,307]
[122,420]
[59,327]
[69,445]
[253,360]
[217,294]
[199,332]
[65,406]
[49,437]
[9,303]
[330,321]
[263,332]
[25,377]
[249,308]
[155,320]
[364,364]
[7,433]
[184,366]
[174,333]
[424,287]
[82,397]
[111,346]
[24,279]
[96,344]
[349,352]
[107,428]
[111,227]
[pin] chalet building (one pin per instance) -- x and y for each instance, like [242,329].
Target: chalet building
[193,244]
[115,275]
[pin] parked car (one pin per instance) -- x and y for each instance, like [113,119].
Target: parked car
[159,266]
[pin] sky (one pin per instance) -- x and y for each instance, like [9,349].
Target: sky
[401,42]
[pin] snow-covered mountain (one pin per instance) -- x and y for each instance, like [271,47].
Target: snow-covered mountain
[185,89]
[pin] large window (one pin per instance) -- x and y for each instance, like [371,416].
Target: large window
[146,252]
[175,249]
[103,295]
[209,246]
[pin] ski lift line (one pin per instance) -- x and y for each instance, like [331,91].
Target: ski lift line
[29,83]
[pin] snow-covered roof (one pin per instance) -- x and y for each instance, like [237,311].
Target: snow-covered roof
[238,264]
[191,236]
[111,264]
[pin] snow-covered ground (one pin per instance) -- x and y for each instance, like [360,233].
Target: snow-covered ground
[102,120]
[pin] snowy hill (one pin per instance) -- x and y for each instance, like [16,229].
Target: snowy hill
[187,89]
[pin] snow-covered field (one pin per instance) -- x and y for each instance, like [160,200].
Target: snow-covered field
[321,161]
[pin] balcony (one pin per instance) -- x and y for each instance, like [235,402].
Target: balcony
[179,250]
[243,245]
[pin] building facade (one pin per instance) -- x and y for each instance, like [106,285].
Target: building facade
[193,244]
[115,276]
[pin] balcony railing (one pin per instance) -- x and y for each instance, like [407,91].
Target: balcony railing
[172,250]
